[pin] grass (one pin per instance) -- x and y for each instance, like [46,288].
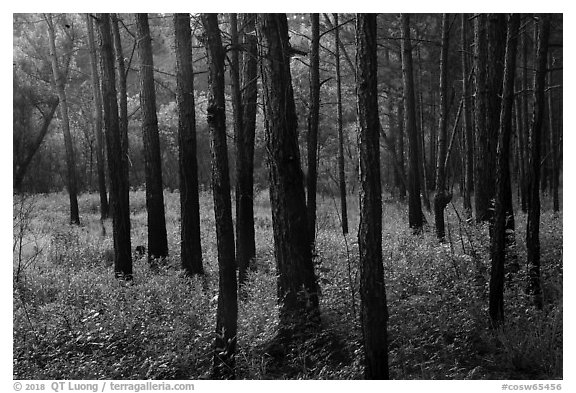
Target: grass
[73,320]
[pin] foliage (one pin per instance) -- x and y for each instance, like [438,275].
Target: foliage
[73,320]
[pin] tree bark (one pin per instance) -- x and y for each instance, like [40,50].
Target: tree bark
[59,84]
[545,153]
[372,288]
[442,197]
[424,174]
[400,146]
[415,215]
[496,31]
[157,238]
[339,120]
[498,241]
[122,84]
[297,283]
[525,121]
[245,239]
[393,139]
[533,227]
[482,183]
[117,155]
[104,208]
[553,138]
[227,312]
[430,184]
[313,120]
[520,151]
[190,244]
[466,125]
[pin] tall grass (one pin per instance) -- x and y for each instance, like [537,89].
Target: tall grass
[73,320]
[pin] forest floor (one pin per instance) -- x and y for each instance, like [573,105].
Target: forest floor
[73,320]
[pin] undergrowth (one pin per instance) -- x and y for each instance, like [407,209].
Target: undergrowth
[73,320]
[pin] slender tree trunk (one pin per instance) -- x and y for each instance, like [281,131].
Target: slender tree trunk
[342,47]
[442,197]
[469,147]
[297,283]
[424,174]
[482,183]
[122,89]
[117,155]
[498,241]
[59,84]
[433,132]
[157,238]
[235,75]
[525,120]
[238,138]
[374,314]
[545,153]
[190,244]
[339,120]
[104,209]
[415,215]
[227,312]
[495,70]
[553,138]
[521,152]
[533,227]
[400,144]
[393,169]
[245,240]
[313,120]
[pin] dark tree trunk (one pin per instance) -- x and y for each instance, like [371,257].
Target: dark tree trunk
[313,120]
[157,239]
[227,313]
[22,166]
[393,130]
[297,283]
[433,132]
[339,120]
[117,155]
[372,288]
[525,121]
[424,174]
[482,182]
[59,84]
[104,208]
[555,174]
[520,149]
[121,84]
[533,227]
[190,244]
[415,215]
[522,165]
[467,126]
[544,153]
[442,197]
[236,93]
[400,146]
[235,76]
[496,31]
[245,240]
[498,241]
